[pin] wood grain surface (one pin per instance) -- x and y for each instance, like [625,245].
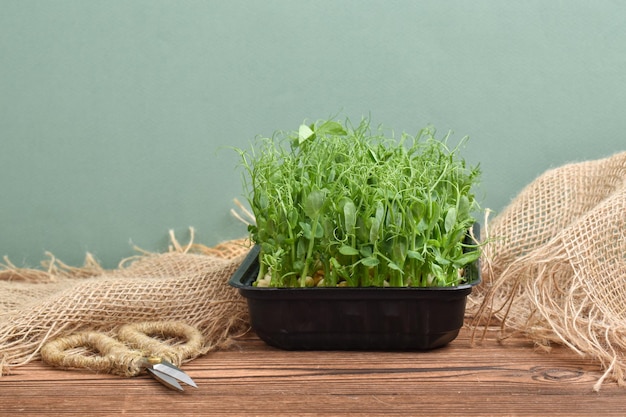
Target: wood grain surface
[510,379]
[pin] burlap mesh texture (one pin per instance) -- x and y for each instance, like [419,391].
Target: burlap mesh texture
[187,284]
[555,265]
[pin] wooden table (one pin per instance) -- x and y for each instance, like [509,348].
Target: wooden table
[254,379]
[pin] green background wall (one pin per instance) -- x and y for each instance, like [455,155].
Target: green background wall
[116,116]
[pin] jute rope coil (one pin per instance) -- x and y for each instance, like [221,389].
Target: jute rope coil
[126,354]
[141,336]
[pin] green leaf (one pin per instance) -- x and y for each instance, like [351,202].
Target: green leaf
[450,220]
[366,251]
[434,243]
[349,214]
[362,232]
[394,266]
[418,209]
[306,230]
[422,226]
[370,261]
[415,255]
[304,133]
[467,258]
[433,214]
[399,250]
[348,250]
[441,260]
[374,229]
[437,271]
[319,231]
[331,128]
[313,203]
[327,226]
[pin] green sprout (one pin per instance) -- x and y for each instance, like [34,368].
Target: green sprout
[338,205]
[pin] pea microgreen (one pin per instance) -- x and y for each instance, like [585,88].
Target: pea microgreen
[343,205]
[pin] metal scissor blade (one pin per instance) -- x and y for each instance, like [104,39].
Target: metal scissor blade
[165,379]
[173,371]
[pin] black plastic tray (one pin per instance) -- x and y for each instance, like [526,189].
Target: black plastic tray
[353,318]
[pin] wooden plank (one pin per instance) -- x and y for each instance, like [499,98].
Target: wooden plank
[254,379]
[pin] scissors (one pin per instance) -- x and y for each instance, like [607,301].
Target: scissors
[138,346]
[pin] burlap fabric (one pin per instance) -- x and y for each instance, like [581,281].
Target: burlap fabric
[555,265]
[188,283]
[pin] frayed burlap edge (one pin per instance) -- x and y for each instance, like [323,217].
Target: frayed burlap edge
[567,286]
[90,298]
